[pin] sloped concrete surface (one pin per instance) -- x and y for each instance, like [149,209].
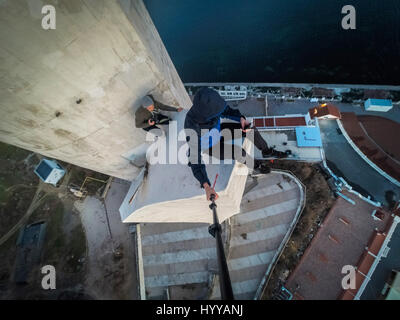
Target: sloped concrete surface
[266,214]
[169,192]
[179,256]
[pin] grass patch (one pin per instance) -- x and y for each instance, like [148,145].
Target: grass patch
[9,152]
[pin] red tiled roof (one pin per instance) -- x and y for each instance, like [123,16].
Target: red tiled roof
[365,262]
[346,295]
[279,122]
[376,242]
[324,110]
[290,122]
[368,147]
[259,122]
[359,280]
[269,122]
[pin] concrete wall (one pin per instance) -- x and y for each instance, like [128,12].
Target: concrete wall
[106,54]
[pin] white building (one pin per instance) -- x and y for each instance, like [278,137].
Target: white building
[381,105]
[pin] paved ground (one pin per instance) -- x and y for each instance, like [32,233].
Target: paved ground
[109,278]
[267,211]
[251,107]
[341,240]
[345,162]
[385,266]
[183,256]
[276,107]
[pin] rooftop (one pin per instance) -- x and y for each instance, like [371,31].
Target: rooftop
[342,239]
[325,111]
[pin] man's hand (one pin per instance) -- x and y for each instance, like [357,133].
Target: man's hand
[151,122]
[245,124]
[179,109]
[210,191]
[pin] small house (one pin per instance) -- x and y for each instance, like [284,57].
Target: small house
[381,105]
[49,171]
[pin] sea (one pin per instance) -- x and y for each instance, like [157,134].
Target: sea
[280,41]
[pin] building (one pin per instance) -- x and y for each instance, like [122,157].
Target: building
[323,93]
[325,111]
[380,105]
[49,171]
[233,95]
[298,133]
[78,87]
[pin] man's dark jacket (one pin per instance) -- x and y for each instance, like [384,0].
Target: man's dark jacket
[142,115]
[208,107]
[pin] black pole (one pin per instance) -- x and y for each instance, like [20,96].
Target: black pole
[224,278]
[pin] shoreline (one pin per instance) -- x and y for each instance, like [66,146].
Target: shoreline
[295,85]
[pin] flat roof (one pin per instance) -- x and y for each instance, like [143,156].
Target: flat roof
[380,102]
[308,137]
[283,140]
[279,121]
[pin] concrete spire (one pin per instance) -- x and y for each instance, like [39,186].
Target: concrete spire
[71,93]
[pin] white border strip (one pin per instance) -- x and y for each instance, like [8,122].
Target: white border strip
[366,159]
[135,229]
[279,251]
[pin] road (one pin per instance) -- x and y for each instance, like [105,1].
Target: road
[345,162]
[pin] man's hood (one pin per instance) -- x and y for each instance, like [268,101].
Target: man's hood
[207,104]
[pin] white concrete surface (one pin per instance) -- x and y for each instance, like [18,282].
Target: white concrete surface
[280,137]
[178,255]
[105,54]
[258,231]
[170,192]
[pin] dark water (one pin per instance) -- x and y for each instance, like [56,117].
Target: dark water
[280,40]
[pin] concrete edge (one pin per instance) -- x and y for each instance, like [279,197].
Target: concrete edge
[364,157]
[139,260]
[271,267]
